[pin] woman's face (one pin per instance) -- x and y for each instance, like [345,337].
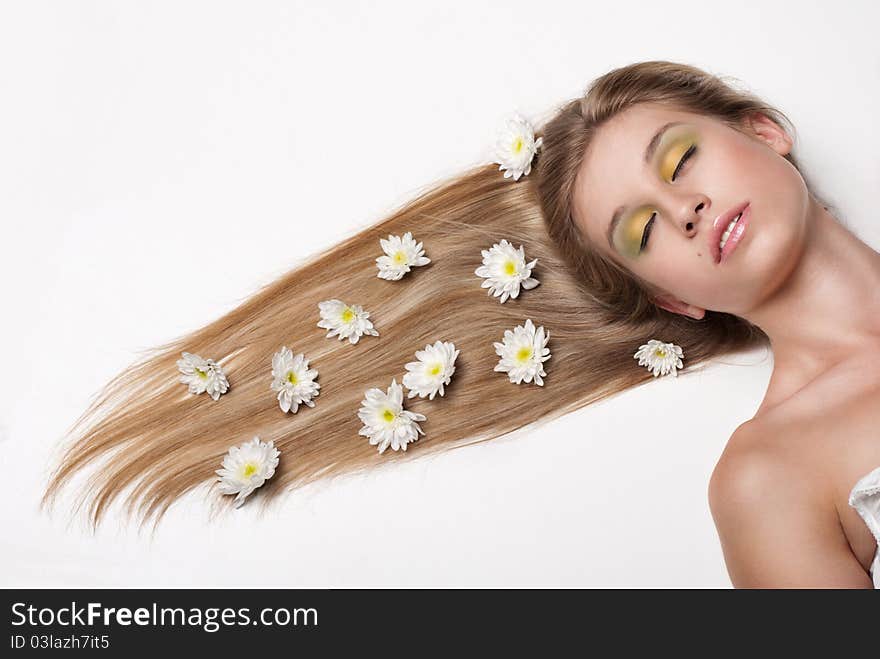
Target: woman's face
[700,169]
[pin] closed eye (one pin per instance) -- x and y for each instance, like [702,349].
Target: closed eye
[687,154]
[647,232]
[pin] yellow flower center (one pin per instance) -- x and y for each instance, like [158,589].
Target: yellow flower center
[660,352]
[518,145]
[400,257]
[510,268]
[347,315]
[250,469]
[435,370]
[524,353]
[202,374]
[291,377]
[388,416]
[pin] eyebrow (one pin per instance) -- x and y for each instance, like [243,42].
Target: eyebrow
[649,154]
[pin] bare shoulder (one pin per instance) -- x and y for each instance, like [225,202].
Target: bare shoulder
[749,456]
[776,527]
[751,473]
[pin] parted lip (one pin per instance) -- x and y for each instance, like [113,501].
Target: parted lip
[719,226]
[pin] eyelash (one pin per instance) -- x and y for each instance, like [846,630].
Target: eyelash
[687,154]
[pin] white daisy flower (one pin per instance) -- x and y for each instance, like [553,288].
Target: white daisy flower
[432,371]
[659,357]
[385,421]
[516,147]
[293,380]
[202,375]
[400,255]
[247,467]
[505,270]
[349,321]
[523,352]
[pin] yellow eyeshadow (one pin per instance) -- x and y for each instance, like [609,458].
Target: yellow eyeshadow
[628,237]
[671,159]
[681,142]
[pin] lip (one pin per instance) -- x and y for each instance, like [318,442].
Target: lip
[736,235]
[720,225]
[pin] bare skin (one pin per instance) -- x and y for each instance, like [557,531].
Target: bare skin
[779,493]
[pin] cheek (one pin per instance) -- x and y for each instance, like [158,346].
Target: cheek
[754,171]
[686,277]
[778,195]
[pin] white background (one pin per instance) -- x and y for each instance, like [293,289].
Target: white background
[159,161]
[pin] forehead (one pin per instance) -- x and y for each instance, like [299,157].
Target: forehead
[613,164]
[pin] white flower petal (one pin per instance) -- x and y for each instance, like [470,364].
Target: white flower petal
[385,421]
[401,254]
[516,146]
[293,380]
[202,375]
[348,321]
[523,352]
[433,370]
[659,357]
[247,467]
[504,270]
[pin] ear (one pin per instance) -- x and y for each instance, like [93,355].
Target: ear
[677,306]
[770,132]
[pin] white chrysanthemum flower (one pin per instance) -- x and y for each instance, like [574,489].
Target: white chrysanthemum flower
[202,375]
[505,270]
[432,371]
[523,353]
[349,321]
[659,357]
[516,147]
[247,467]
[401,254]
[385,421]
[293,380]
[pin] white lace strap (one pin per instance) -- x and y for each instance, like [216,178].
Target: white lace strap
[865,498]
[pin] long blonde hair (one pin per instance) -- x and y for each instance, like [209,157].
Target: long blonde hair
[147,441]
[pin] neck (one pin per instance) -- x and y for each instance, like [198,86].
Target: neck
[828,307]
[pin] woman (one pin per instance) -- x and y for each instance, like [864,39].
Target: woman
[781,492]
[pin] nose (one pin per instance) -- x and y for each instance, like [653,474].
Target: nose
[689,220]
